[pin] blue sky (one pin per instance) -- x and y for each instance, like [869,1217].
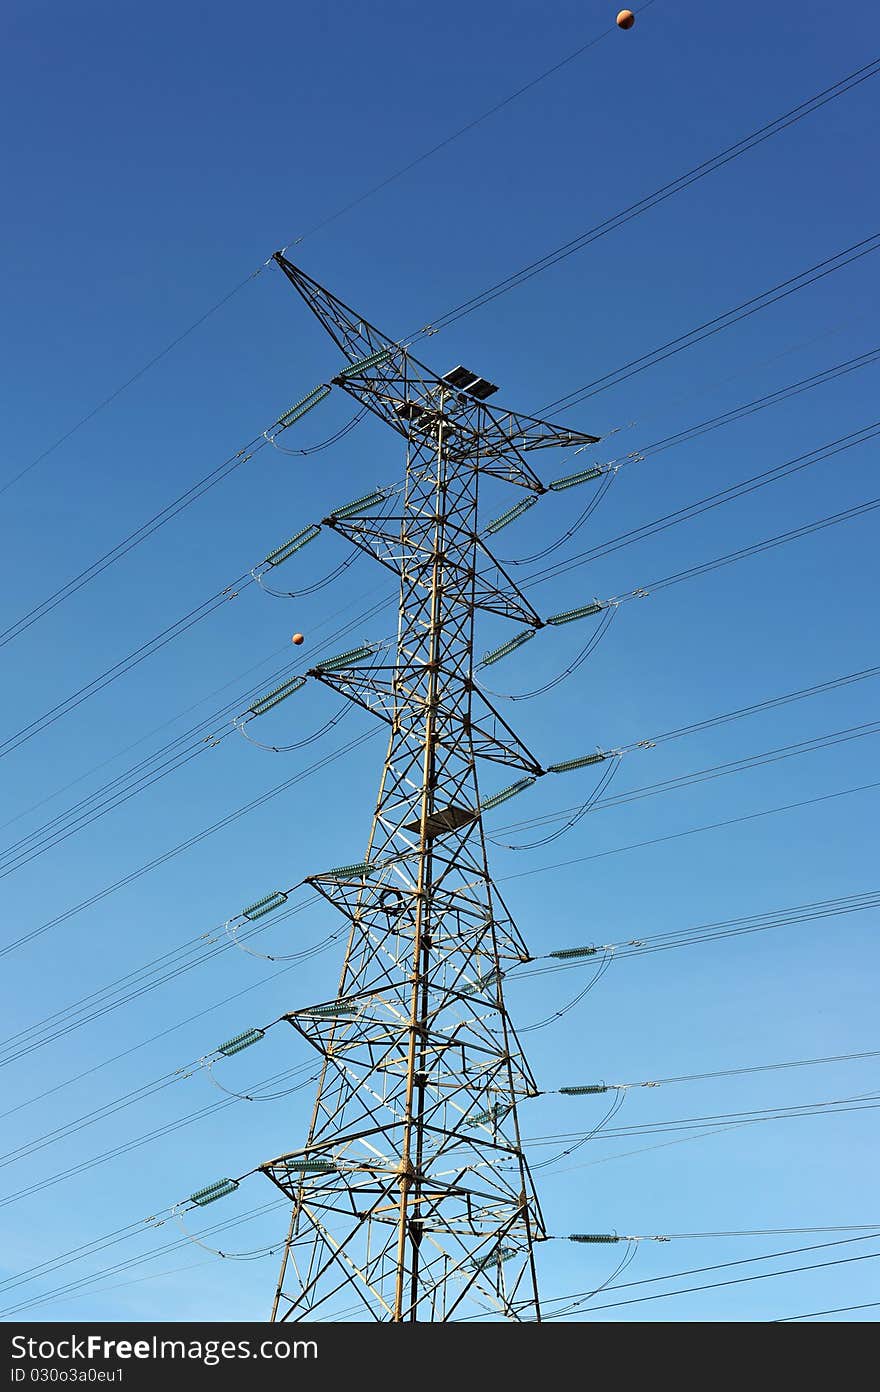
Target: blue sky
[158,158]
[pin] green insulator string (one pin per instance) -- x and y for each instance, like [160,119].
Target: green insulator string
[290,547]
[364,364]
[297,744]
[198,1200]
[212,1192]
[239,1042]
[593,642]
[584,611]
[579,522]
[368,502]
[512,514]
[306,590]
[507,648]
[269,904]
[275,696]
[332,1011]
[259,1095]
[330,440]
[612,763]
[350,658]
[506,793]
[304,1165]
[383,498]
[611,1112]
[583,761]
[575,480]
[584,1089]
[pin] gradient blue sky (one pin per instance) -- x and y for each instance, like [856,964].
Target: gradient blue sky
[157,156]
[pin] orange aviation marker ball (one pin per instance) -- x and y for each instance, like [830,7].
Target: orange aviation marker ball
[626,19]
[298,639]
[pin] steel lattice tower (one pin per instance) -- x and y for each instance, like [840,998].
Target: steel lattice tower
[412,1198]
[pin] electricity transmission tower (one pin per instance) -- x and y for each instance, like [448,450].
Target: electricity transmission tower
[412,1199]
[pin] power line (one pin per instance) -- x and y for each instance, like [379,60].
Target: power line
[197,490]
[771,703]
[155,730]
[752,761]
[152,525]
[712,932]
[804,279]
[739,1280]
[457,134]
[699,775]
[781,917]
[718,1266]
[133,659]
[724,928]
[744,310]
[838,1310]
[166,1129]
[113,1238]
[837,732]
[660,195]
[762,403]
[231,591]
[683,181]
[743,765]
[572,1300]
[772,1114]
[164,961]
[146,650]
[151,1276]
[135,377]
[748,1069]
[711,722]
[598,855]
[725,495]
[128,543]
[124,665]
[325,221]
[140,982]
[84,1281]
[732,557]
[193,840]
[120,1104]
[161,1034]
[176,754]
[660,1145]
[729,558]
[660,942]
[697,430]
[833,1107]
[83,1249]
[696,831]
[774,1232]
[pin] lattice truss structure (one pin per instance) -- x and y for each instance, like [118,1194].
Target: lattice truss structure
[412,1199]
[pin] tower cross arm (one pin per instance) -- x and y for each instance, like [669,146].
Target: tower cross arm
[417,402]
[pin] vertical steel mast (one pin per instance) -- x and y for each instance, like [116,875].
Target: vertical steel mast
[412,1199]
